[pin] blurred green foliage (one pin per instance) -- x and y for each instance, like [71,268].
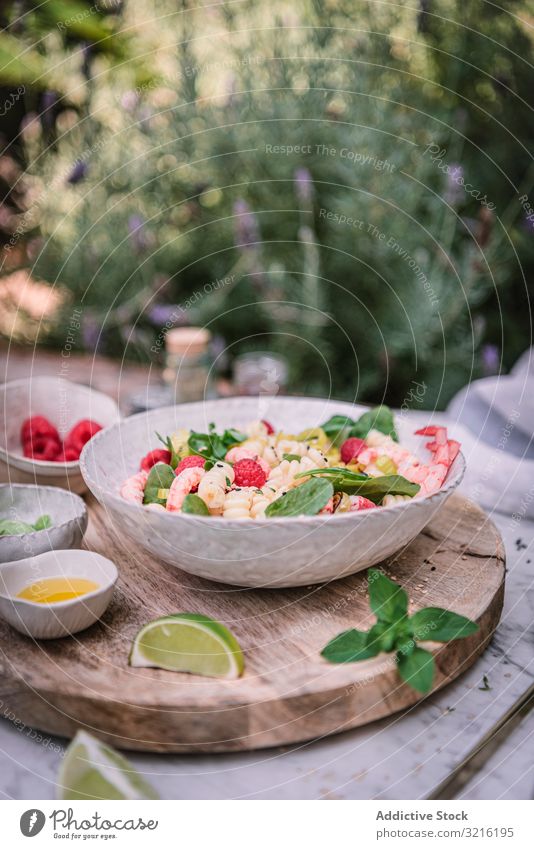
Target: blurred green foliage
[312,158]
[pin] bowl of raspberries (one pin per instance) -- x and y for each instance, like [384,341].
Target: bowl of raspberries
[44,424]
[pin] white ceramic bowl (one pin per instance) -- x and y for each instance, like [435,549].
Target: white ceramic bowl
[280,552]
[63,403]
[67,512]
[49,621]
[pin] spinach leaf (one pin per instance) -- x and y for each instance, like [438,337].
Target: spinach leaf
[160,476]
[374,489]
[379,418]
[305,500]
[194,505]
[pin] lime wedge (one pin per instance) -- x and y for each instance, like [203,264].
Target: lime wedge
[188,642]
[92,770]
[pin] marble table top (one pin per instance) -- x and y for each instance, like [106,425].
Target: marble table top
[411,755]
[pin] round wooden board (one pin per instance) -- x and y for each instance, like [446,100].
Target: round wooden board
[288,693]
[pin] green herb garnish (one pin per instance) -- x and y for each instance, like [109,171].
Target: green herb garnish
[12,527]
[339,428]
[160,477]
[395,631]
[306,500]
[291,457]
[354,483]
[213,446]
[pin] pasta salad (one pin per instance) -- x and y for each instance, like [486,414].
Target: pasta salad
[344,466]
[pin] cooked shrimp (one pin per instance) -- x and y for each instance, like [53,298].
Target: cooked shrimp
[429,478]
[182,486]
[133,489]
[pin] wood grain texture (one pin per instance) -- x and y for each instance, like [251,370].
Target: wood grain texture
[288,693]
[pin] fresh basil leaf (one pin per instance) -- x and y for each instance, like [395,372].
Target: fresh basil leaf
[349,647]
[417,669]
[379,418]
[388,601]
[291,457]
[160,476]
[305,500]
[383,636]
[42,523]
[10,527]
[194,505]
[435,623]
[337,428]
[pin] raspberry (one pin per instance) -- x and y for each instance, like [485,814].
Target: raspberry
[42,448]
[37,426]
[351,448]
[249,473]
[67,455]
[190,463]
[159,455]
[268,425]
[81,433]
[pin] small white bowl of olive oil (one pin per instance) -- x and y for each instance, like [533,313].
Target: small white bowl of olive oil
[57,593]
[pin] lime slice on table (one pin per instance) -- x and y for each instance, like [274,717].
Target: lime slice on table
[92,770]
[188,642]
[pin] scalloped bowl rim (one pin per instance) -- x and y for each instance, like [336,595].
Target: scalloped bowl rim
[452,481]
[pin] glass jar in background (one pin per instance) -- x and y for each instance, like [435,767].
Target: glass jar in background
[260,373]
[188,364]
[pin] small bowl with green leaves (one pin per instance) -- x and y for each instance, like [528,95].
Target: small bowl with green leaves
[36,519]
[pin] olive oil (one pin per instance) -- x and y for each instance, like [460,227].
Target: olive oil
[54,590]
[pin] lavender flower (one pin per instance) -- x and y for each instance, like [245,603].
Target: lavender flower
[303,185]
[491,360]
[162,314]
[47,115]
[246,227]
[78,172]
